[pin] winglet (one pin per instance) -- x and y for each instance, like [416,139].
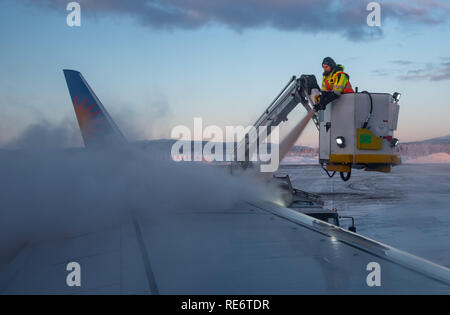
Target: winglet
[97,127]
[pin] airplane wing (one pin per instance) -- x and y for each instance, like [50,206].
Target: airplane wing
[251,248]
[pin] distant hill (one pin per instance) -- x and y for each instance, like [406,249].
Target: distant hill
[439,140]
[295,150]
[415,151]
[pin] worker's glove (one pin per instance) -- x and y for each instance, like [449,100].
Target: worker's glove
[317,105]
[326,98]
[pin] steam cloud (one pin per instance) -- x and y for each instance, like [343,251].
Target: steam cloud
[54,193]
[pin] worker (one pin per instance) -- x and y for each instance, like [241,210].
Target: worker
[334,83]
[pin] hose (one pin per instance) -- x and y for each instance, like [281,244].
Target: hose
[326,171]
[346,178]
[371,109]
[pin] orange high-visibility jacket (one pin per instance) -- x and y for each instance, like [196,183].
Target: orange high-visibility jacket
[337,81]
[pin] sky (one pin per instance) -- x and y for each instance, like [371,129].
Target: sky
[158,64]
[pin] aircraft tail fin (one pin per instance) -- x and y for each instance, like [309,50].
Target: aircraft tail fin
[97,127]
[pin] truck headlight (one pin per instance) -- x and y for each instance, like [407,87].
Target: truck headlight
[394,142]
[340,141]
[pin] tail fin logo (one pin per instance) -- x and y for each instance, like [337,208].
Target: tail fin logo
[86,116]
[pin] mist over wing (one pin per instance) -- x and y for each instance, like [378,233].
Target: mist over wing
[50,193]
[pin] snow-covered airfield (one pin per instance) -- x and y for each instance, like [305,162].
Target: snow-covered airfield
[136,225]
[408,208]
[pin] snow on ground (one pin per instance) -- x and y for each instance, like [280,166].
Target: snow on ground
[435,158]
[302,159]
[408,208]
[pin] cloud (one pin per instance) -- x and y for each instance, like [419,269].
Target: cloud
[45,135]
[381,72]
[417,11]
[345,17]
[430,72]
[145,119]
[402,62]
[413,70]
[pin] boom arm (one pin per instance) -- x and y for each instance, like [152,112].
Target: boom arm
[302,90]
